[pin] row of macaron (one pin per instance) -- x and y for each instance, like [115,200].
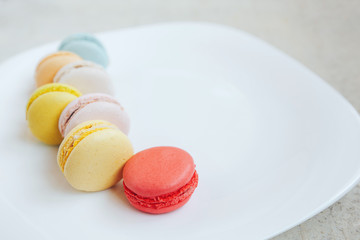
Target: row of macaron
[80,61]
[95,152]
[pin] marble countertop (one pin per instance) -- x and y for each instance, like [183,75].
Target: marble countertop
[323,35]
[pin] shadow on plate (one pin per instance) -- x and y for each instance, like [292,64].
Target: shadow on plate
[118,192]
[51,171]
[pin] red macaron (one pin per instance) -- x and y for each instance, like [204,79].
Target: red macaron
[160,179]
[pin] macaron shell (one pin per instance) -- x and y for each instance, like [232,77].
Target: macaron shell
[88,50]
[86,79]
[158,171]
[48,68]
[96,163]
[110,112]
[43,116]
[80,36]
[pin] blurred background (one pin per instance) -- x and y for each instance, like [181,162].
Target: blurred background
[323,35]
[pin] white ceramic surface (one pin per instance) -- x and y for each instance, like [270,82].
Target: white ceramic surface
[266,135]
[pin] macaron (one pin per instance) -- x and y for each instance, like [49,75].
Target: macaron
[93,154]
[44,109]
[51,64]
[160,179]
[95,106]
[87,46]
[86,76]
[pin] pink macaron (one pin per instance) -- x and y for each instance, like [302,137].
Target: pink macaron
[95,106]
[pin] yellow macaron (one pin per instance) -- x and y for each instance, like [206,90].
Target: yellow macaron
[51,64]
[93,154]
[44,109]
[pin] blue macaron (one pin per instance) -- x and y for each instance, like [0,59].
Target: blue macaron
[86,46]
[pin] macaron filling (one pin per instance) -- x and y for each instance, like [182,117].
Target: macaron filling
[80,105]
[76,137]
[165,200]
[51,88]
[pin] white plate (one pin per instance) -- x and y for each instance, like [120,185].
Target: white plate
[273,143]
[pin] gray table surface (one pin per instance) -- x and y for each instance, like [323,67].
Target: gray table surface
[323,35]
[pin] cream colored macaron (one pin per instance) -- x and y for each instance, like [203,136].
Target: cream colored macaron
[93,154]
